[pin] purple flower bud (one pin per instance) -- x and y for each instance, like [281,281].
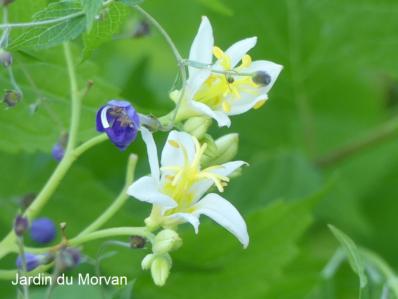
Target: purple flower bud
[68,258]
[5,58]
[142,29]
[12,97]
[21,224]
[42,230]
[120,121]
[32,261]
[58,150]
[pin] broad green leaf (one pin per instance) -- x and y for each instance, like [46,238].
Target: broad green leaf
[104,28]
[91,9]
[354,257]
[49,35]
[46,86]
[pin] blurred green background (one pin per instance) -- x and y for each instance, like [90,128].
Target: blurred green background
[338,90]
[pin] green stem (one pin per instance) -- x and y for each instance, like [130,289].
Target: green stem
[25,287]
[178,56]
[375,137]
[119,201]
[100,234]
[89,144]
[8,243]
[75,99]
[384,268]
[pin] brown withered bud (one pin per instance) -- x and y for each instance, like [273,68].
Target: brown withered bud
[137,242]
[12,97]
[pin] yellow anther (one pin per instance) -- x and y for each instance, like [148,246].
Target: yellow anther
[246,61]
[259,104]
[169,177]
[174,143]
[218,53]
[226,106]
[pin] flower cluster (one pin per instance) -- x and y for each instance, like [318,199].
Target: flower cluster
[193,170]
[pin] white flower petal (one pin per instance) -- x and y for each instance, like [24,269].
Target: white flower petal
[271,68]
[238,50]
[247,102]
[195,82]
[147,189]
[187,217]
[177,145]
[225,214]
[202,46]
[152,152]
[221,118]
[104,118]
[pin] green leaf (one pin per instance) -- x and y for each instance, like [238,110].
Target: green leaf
[104,28]
[49,35]
[353,255]
[45,85]
[213,264]
[91,8]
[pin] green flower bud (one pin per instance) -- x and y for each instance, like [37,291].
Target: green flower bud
[160,269]
[197,126]
[227,148]
[165,241]
[147,261]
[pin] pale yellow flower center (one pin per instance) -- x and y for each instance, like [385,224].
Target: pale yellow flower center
[182,178]
[219,90]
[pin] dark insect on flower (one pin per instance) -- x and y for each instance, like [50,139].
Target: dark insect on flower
[261,78]
[5,58]
[43,230]
[32,261]
[230,79]
[142,29]
[21,224]
[68,258]
[120,121]
[58,150]
[12,97]
[137,242]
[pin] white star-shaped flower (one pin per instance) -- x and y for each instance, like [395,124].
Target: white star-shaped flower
[177,189]
[232,85]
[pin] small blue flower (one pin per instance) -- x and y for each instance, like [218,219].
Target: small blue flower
[42,230]
[120,121]
[32,261]
[58,150]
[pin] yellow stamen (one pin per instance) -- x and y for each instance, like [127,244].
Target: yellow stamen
[218,53]
[259,104]
[246,61]
[226,106]
[174,143]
